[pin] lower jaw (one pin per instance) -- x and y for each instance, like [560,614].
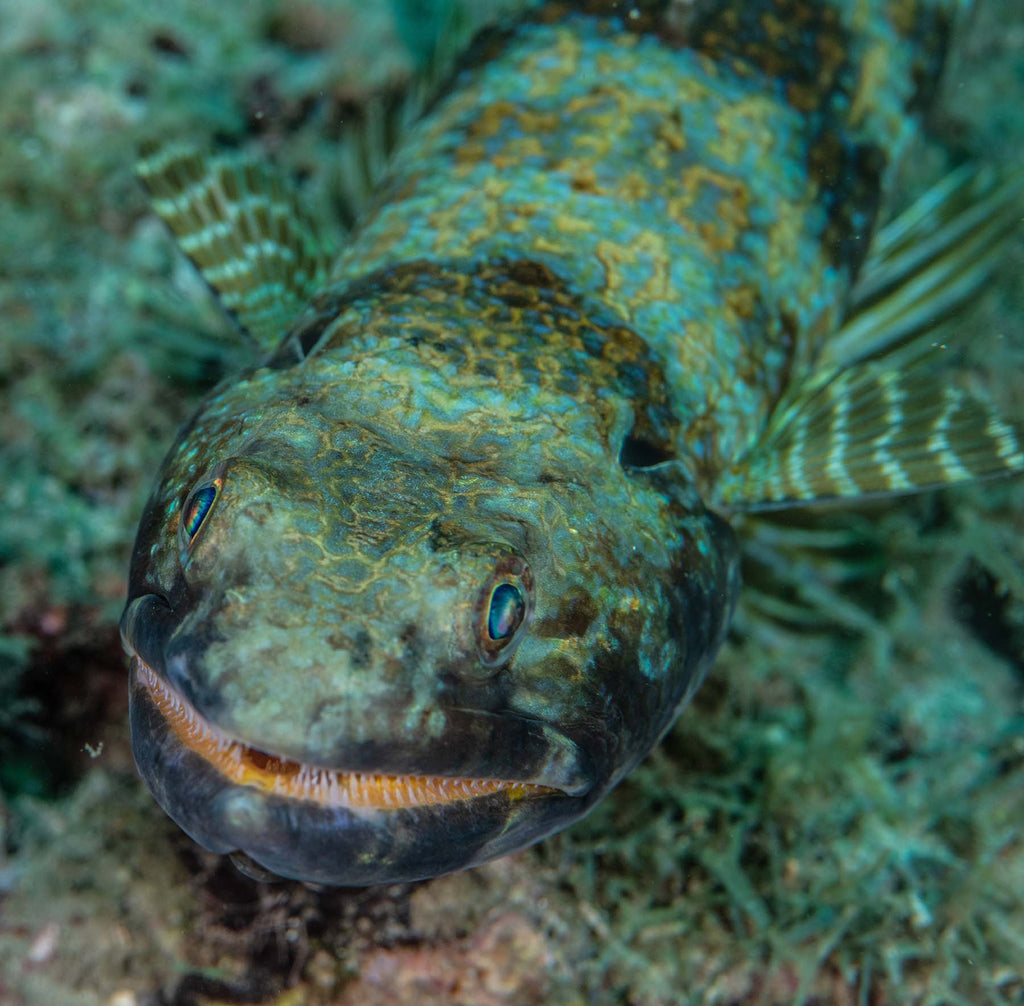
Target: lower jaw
[321,825]
[244,765]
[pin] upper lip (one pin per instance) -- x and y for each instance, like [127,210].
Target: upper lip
[555,760]
[146,626]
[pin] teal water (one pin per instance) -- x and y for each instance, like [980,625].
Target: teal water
[836,819]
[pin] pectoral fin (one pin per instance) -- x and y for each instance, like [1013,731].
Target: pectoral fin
[242,227]
[884,412]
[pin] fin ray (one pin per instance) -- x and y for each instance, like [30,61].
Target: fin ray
[927,263]
[873,431]
[437,35]
[242,227]
[884,412]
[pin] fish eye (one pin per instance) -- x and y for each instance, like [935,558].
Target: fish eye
[506,612]
[197,508]
[503,611]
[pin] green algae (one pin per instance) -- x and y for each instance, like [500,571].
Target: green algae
[17,733]
[836,819]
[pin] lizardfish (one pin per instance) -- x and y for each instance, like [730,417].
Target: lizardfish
[423,583]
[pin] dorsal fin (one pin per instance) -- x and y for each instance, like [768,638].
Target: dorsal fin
[884,413]
[366,146]
[241,225]
[436,35]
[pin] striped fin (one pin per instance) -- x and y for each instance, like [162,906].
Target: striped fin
[241,226]
[883,413]
[873,431]
[927,263]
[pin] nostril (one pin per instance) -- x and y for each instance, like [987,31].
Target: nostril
[146,626]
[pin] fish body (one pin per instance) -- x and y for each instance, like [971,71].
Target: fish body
[424,583]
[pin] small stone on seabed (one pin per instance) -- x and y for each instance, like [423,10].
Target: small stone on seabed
[44,944]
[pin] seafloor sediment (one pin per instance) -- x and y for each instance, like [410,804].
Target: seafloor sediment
[837,819]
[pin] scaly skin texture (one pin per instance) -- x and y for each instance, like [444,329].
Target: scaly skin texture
[596,265]
[718,212]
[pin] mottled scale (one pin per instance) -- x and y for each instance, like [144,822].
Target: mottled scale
[711,184]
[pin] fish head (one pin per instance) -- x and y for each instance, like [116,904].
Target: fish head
[360,655]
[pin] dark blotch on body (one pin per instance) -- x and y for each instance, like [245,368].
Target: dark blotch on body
[800,43]
[576,613]
[928,27]
[849,177]
[470,311]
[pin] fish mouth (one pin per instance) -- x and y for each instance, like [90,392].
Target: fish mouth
[241,764]
[327,825]
[351,825]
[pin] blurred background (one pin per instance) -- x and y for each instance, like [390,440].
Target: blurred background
[837,819]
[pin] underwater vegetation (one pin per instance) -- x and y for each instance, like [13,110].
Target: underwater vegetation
[837,818]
